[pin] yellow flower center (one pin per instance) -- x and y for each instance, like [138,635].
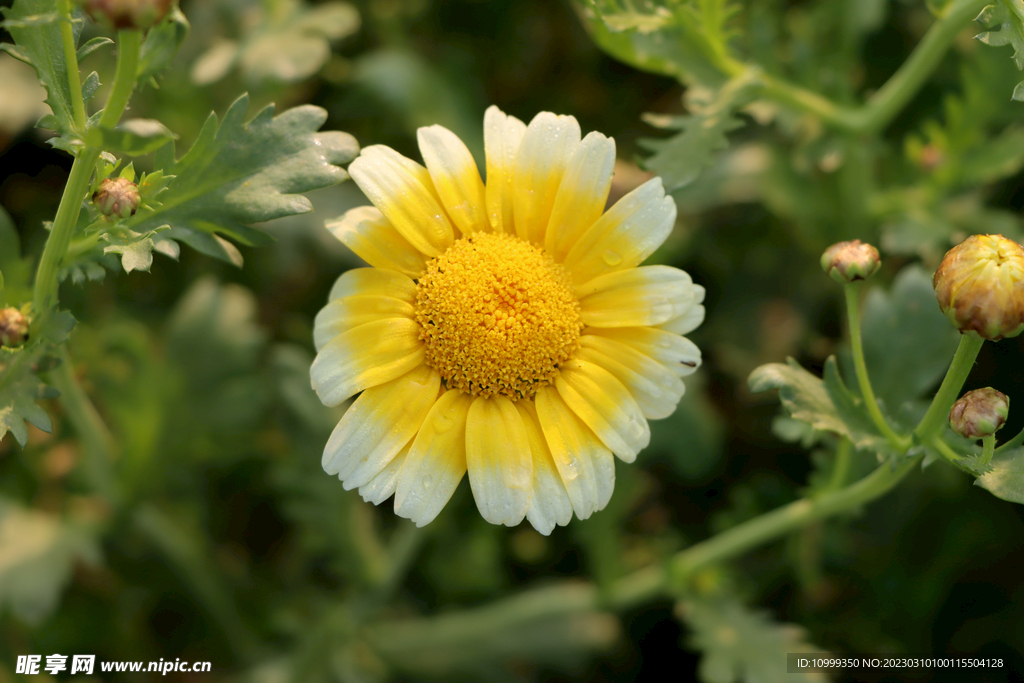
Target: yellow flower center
[497,316]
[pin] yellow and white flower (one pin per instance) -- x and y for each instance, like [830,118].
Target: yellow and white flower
[503,329]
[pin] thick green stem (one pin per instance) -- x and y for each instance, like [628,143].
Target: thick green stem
[938,412]
[901,87]
[841,466]
[45,294]
[67,35]
[988,447]
[1015,442]
[857,349]
[129,42]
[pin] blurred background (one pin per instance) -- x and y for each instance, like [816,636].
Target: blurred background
[234,547]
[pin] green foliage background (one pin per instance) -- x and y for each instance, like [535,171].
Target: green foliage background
[231,545]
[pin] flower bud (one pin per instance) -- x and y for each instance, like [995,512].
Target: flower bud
[980,286]
[13,327]
[117,197]
[140,14]
[846,262]
[979,413]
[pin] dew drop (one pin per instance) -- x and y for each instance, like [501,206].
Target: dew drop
[428,481]
[572,468]
[611,258]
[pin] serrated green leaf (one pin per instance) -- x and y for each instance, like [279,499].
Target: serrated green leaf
[908,343]
[18,396]
[134,137]
[161,45]
[826,405]
[1006,479]
[1005,20]
[38,551]
[90,86]
[136,249]
[91,45]
[742,645]
[678,39]
[681,158]
[239,173]
[35,27]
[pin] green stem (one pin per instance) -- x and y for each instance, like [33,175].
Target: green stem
[67,34]
[988,447]
[938,412]
[857,348]
[890,99]
[129,42]
[841,466]
[882,107]
[944,448]
[97,442]
[45,294]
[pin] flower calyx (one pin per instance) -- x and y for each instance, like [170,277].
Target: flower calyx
[128,14]
[980,286]
[847,262]
[979,413]
[13,327]
[117,197]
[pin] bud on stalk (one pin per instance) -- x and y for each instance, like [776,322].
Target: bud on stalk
[979,413]
[127,14]
[846,262]
[980,286]
[13,327]
[117,197]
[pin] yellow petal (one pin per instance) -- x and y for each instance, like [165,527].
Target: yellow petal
[437,461]
[373,281]
[689,321]
[372,238]
[384,483]
[378,424]
[502,136]
[498,459]
[582,195]
[404,193]
[544,154]
[605,406]
[656,389]
[342,315]
[648,295]
[586,467]
[678,354]
[455,177]
[626,235]
[365,357]
[550,504]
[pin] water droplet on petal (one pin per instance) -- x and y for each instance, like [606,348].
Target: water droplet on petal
[428,481]
[611,258]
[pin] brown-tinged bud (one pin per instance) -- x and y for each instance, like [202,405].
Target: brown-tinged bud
[846,262]
[13,327]
[980,286]
[140,14]
[117,197]
[979,413]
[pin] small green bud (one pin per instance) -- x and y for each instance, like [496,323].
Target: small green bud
[13,327]
[117,197]
[139,14]
[979,413]
[980,286]
[847,262]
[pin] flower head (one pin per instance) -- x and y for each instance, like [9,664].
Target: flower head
[979,413]
[846,262]
[504,329]
[980,286]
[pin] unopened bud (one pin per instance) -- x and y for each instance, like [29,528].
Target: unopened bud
[846,262]
[979,413]
[13,327]
[117,197]
[140,14]
[980,286]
